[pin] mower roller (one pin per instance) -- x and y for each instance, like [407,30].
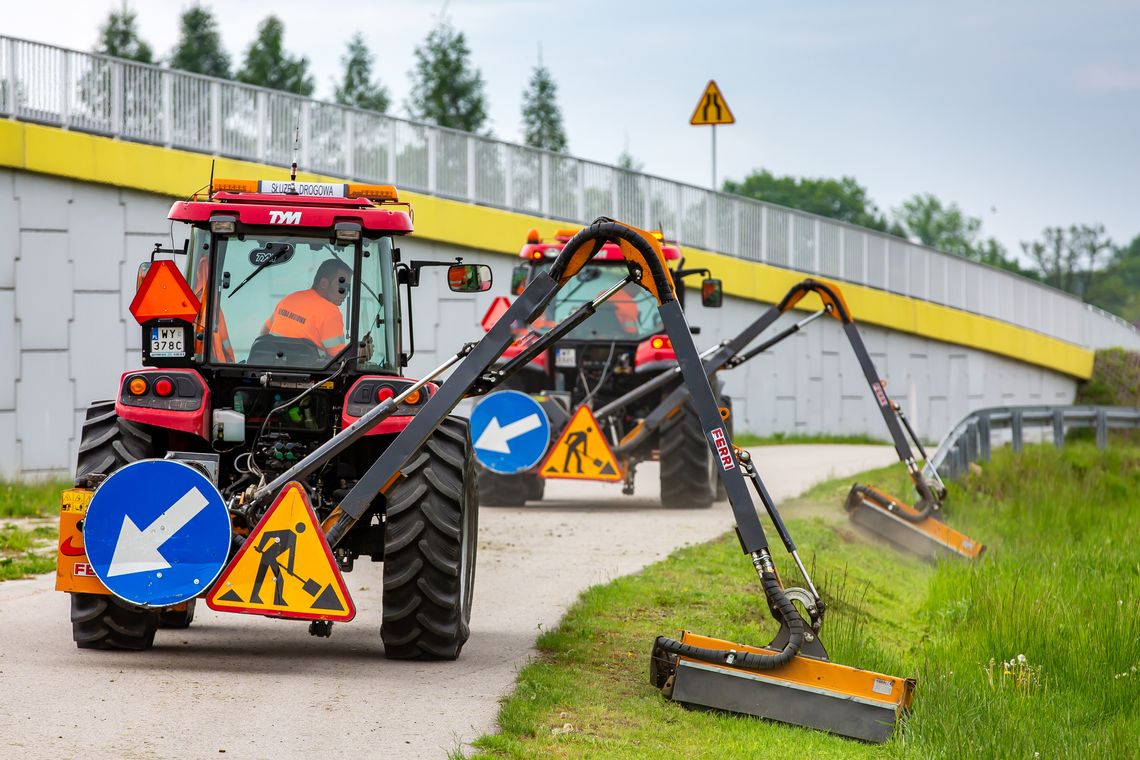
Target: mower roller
[918,529]
[790,680]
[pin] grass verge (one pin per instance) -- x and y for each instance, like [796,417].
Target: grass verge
[30,499]
[1031,651]
[26,550]
[776,439]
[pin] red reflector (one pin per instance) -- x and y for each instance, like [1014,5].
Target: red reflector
[497,309]
[384,393]
[163,386]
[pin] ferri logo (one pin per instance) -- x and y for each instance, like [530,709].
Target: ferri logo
[284,217]
[722,449]
[880,396]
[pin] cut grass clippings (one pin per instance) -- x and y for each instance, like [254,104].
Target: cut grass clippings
[1031,651]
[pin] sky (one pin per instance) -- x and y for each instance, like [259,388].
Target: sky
[1026,113]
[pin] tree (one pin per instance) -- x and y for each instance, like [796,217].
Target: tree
[268,65]
[628,162]
[1067,259]
[356,87]
[199,47]
[1116,287]
[843,199]
[946,228]
[119,37]
[446,90]
[542,118]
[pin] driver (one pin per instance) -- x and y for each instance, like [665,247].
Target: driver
[314,314]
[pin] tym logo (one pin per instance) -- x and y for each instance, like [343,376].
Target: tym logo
[284,217]
[722,449]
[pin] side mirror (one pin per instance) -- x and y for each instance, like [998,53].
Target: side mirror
[519,276]
[712,293]
[469,278]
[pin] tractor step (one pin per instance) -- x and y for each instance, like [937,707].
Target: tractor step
[931,539]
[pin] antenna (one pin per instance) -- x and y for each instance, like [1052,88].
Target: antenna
[296,147]
[210,192]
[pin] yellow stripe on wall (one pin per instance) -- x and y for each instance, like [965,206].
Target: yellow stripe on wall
[178,173]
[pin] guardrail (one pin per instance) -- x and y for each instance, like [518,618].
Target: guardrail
[150,104]
[971,440]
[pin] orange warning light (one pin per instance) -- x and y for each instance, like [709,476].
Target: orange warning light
[164,294]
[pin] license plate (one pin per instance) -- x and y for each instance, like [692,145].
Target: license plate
[167,342]
[564,357]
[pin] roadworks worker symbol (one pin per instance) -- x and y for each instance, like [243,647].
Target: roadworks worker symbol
[582,452]
[285,567]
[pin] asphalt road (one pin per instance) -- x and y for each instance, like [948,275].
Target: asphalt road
[249,687]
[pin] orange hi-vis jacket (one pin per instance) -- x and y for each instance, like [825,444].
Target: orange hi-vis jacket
[307,314]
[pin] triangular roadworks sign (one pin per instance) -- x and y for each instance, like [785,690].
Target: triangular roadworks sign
[711,108]
[582,452]
[285,567]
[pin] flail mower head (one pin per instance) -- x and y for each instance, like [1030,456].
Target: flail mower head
[907,527]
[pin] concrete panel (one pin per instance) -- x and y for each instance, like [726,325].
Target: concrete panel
[43,292]
[98,347]
[9,364]
[45,411]
[43,201]
[95,238]
[9,230]
[145,214]
[9,453]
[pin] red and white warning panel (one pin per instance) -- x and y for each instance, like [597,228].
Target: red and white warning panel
[285,568]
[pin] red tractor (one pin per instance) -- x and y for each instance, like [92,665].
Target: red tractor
[280,329]
[620,347]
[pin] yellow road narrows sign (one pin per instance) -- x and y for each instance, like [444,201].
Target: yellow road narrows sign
[285,567]
[711,108]
[582,452]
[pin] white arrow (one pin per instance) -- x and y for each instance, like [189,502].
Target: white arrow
[137,550]
[498,437]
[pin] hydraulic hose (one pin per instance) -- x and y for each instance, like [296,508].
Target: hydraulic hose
[749,660]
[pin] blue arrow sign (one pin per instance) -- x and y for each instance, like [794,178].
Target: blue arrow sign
[157,532]
[511,432]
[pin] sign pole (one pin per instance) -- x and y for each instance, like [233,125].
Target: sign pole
[714,158]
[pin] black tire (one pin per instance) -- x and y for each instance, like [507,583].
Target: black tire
[430,538]
[108,443]
[688,471]
[100,621]
[497,490]
[172,618]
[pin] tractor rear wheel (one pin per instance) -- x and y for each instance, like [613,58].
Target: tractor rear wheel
[509,490]
[172,617]
[688,471]
[101,621]
[430,537]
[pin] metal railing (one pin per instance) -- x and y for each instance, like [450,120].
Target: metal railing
[972,439]
[150,104]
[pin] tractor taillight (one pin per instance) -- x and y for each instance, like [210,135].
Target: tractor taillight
[137,385]
[383,393]
[413,398]
[536,254]
[163,387]
[661,342]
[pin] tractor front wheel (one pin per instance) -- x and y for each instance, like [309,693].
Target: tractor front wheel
[689,475]
[430,537]
[509,490]
[100,621]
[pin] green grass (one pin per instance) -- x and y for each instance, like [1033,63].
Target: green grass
[750,439]
[26,551]
[30,499]
[1060,586]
